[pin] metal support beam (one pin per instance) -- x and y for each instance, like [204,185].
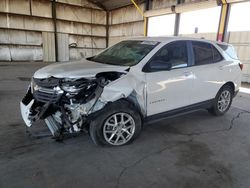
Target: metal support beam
[223,21]
[107,29]
[144,18]
[148,6]
[30,4]
[177,19]
[145,27]
[55,28]
[177,24]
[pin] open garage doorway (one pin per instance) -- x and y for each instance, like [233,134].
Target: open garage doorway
[200,23]
[238,34]
[161,25]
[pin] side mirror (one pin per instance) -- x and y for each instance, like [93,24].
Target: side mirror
[158,65]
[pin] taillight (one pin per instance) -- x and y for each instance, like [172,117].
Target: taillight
[241,66]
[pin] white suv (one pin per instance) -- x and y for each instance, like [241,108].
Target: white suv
[135,81]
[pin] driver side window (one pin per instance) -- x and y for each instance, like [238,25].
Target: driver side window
[175,54]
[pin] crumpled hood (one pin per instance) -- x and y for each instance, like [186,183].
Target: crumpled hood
[77,69]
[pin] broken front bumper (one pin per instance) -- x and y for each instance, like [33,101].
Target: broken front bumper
[25,107]
[25,112]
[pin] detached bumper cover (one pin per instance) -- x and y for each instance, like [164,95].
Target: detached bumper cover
[25,112]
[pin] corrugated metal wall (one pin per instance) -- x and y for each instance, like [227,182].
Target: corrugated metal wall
[24,22]
[125,23]
[48,46]
[241,41]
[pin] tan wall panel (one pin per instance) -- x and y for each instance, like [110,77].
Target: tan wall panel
[84,3]
[157,4]
[81,41]
[80,28]
[87,42]
[26,53]
[20,53]
[99,42]
[99,30]
[74,28]
[96,51]
[235,1]
[99,17]
[8,36]
[15,6]
[208,36]
[157,12]
[26,23]
[126,14]
[3,20]
[78,53]
[246,73]
[114,40]
[131,29]
[63,46]
[239,37]
[18,28]
[4,6]
[243,52]
[73,13]
[5,53]
[186,7]
[241,42]
[41,8]
[48,46]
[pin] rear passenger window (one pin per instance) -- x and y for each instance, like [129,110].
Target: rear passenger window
[205,53]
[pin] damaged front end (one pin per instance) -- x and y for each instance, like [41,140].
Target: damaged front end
[63,103]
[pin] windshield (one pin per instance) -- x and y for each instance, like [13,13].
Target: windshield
[125,53]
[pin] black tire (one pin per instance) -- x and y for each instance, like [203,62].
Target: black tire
[215,109]
[97,124]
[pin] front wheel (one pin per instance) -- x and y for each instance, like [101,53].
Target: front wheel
[223,101]
[117,124]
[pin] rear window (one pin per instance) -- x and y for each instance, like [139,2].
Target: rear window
[229,50]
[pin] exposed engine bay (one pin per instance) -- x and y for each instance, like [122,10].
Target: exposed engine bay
[67,104]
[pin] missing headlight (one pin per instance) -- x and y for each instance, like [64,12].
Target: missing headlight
[81,90]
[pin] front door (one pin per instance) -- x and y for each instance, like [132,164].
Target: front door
[169,89]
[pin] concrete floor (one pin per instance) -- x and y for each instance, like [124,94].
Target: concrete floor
[195,150]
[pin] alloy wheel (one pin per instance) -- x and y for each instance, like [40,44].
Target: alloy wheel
[119,128]
[224,101]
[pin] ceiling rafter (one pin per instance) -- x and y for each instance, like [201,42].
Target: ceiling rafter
[113,4]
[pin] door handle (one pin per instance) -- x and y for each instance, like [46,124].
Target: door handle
[221,67]
[187,74]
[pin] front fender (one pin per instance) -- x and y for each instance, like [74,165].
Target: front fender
[127,87]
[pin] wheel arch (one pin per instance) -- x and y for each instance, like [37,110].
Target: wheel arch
[135,104]
[230,84]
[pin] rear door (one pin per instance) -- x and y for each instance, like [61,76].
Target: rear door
[207,70]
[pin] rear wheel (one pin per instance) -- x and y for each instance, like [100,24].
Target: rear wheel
[223,101]
[117,124]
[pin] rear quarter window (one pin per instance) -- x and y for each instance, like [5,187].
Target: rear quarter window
[229,50]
